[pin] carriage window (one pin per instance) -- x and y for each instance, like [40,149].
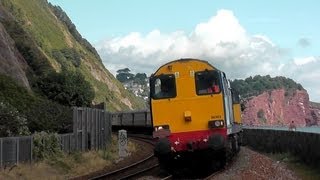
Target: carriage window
[163,87]
[235,97]
[207,82]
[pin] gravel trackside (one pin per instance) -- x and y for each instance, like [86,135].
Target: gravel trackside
[250,165]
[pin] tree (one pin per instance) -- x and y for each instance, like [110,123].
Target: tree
[140,78]
[124,75]
[125,70]
[12,123]
[67,88]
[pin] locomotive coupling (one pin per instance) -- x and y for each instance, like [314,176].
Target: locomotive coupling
[190,146]
[162,147]
[216,142]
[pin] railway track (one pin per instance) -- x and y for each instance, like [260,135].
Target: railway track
[137,169]
[149,173]
[148,168]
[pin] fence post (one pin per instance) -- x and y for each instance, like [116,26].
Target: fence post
[97,129]
[1,156]
[17,145]
[31,148]
[100,129]
[107,119]
[87,129]
[109,129]
[92,129]
[75,128]
[69,150]
[83,128]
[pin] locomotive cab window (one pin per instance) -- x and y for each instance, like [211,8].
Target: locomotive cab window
[163,87]
[207,82]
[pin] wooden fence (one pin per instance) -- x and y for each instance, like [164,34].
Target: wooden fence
[15,149]
[91,130]
[92,127]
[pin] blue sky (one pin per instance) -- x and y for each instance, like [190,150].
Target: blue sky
[271,37]
[285,22]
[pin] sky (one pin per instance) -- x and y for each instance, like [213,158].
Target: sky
[242,38]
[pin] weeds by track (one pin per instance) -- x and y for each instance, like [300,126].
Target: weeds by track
[135,169]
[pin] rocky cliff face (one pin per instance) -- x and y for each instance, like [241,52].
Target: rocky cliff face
[11,61]
[315,112]
[280,107]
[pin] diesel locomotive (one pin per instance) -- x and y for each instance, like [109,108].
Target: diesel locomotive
[194,112]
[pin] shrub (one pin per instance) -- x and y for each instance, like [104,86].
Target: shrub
[12,123]
[67,55]
[45,115]
[46,145]
[261,116]
[260,113]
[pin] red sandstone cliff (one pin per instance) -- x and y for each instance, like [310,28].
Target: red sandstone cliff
[280,107]
[315,112]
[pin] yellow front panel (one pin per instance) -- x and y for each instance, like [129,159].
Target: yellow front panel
[202,108]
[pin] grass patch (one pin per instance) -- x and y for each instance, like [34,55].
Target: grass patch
[67,166]
[301,169]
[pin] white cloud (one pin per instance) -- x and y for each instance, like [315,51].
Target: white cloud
[306,71]
[305,60]
[221,40]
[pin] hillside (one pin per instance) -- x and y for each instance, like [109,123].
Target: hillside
[39,38]
[253,86]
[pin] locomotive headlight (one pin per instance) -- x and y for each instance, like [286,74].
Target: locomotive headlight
[216,124]
[161,131]
[161,127]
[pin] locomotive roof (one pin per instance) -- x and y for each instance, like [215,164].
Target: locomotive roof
[185,59]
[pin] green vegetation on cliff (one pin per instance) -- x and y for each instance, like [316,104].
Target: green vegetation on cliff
[256,85]
[66,88]
[63,70]
[50,42]
[22,112]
